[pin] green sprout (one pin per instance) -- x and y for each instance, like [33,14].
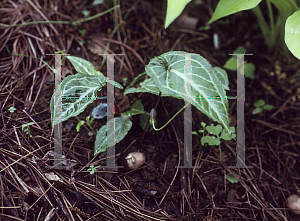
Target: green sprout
[25,128]
[82,31]
[231,64]
[261,105]
[92,169]
[88,122]
[214,138]
[12,109]
[231,178]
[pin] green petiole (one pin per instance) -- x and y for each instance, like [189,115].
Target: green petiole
[62,22]
[153,115]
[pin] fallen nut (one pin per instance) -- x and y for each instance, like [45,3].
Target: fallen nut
[135,160]
[293,203]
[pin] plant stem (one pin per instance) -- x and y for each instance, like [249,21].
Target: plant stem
[263,24]
[62,22]
[148,123]
[169,120]
[272,29]
[220,153]
[91,128]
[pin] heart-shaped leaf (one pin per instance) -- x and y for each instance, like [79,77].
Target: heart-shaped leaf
[78,92]
[215,130]
[136,108]
[208,95]
[83,66]
[211,140]
[121,126]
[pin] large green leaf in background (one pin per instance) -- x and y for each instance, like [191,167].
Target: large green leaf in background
[292,33]
[228,7]
[168,74]
[174,9]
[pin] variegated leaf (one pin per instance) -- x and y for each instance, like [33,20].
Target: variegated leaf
[222,75]
[78,91]
[121,126]
[207,93]
[83,67]
[147,86]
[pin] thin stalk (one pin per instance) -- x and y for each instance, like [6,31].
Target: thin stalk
[294,4]
[108,44]
[131,8]
[148,123]
[262,24]
[169,120]
[62,22]
[272,29]
[111,36]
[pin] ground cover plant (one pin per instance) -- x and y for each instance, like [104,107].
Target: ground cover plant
[167,73]
[32,188]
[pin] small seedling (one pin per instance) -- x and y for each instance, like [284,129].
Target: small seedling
[215,130]
[25,128]
[261,105]
[92,169]
[125,81]
[82,31]
[231,64]
[214,138]
[86,13]
[231,178]
[88,122]
[97,2]
[12,109]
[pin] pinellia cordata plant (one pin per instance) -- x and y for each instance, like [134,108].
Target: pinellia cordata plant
[231,63]
[167,76]
[261,105]
[25,128]
[215,134]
